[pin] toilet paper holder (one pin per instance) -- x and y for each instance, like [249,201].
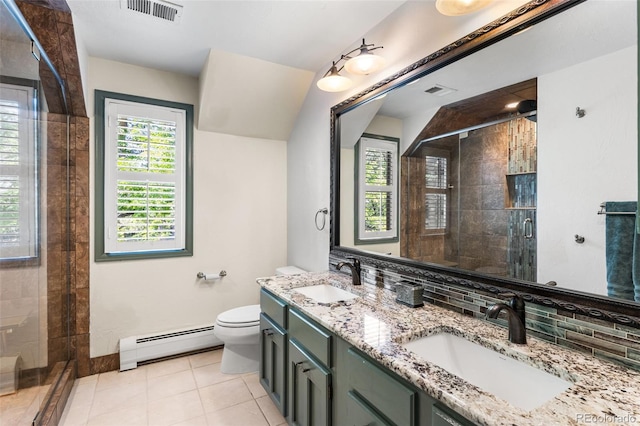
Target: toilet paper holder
[203,275]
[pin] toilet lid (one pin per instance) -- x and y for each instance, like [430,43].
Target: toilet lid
[244,316]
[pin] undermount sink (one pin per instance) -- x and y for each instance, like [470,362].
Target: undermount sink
[520,384]
[325,293]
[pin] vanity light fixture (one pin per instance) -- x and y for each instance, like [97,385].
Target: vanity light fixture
[363,63]
[333,81]
[460,7]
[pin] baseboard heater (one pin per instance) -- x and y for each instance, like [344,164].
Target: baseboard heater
[137,349]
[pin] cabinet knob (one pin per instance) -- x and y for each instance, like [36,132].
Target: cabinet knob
[267,332]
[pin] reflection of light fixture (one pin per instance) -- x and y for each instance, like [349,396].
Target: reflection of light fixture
[460,7]
[512,105]
[364,63]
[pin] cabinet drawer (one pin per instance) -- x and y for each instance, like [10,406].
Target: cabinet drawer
[274,308]
[442,416]
[315,340]
[379,389]
[361,413]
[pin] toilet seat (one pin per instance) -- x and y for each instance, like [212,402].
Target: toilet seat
[242,317]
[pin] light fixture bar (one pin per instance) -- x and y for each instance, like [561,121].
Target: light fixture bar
[363,63]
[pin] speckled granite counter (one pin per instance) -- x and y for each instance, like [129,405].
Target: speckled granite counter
[602,393]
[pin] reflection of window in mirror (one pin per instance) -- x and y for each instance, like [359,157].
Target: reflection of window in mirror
[18,173]
[436,185]
[376,195]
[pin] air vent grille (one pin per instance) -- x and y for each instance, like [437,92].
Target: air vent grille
[439,90]
[156,8]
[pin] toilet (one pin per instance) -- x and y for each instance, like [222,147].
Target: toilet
[239,330]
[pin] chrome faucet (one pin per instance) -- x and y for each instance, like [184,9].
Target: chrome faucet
[515,316]
[355,270]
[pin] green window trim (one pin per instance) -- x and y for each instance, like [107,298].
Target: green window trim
[100,143]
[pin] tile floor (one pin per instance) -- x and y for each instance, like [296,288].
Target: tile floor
[184,391]
[20,408]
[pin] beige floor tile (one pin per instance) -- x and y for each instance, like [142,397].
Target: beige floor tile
[198,421]
[131,416]
[165,368]
[253,383]
[270,411]
[175,409]
[118,397]
[205,358]
[224,395]
[75,414]
[211,374]
[171,384]
[21,399]
[87,379]
[83,392]
[245,414]
[14,417]
[120,378]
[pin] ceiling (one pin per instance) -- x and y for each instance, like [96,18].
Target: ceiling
[304,34]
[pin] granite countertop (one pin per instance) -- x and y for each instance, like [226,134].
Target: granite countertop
[602,392]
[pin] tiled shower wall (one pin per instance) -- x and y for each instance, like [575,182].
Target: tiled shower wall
[613,342]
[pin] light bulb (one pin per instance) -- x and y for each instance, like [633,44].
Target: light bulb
[460,7]
[334,83]
[364,63]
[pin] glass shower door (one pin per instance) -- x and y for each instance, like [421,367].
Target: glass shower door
[33,231]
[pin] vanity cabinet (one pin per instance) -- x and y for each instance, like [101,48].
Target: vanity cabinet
[318,379]
[377,393]
[309,389]
[273,349]
[273,359]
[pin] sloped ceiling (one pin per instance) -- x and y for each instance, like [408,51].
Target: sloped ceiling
[250,97]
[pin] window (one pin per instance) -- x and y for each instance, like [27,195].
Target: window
[435,194]
[19,232]
[144,177]
[377,193]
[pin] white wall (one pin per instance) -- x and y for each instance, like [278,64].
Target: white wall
[406,38]
[604,140]
[239,225]
[382,126]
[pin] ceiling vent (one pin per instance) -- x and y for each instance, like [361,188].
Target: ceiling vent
[439,90]
[164,10]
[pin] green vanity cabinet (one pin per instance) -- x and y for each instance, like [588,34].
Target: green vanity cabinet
[309,389]
[316,378]
[393,401]
[273,349]
[273,361]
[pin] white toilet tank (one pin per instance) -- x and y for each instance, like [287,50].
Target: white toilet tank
[289,270]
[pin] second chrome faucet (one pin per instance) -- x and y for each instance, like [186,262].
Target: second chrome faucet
[516,317]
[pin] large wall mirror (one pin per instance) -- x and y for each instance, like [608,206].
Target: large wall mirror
[503,149]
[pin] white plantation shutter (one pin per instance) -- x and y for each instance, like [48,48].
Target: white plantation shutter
[378,185]
[436,193]
[144,206]
[18,165]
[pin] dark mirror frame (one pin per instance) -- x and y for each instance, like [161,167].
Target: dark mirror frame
[595,306]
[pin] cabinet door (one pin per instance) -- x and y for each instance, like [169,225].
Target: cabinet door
[309,389]
[273,362]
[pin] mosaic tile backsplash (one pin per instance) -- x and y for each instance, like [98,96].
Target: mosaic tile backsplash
[613,342]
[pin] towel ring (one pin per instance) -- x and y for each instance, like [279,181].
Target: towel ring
[324,212]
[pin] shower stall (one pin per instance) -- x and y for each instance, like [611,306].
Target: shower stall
[36,241]
[471,200]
